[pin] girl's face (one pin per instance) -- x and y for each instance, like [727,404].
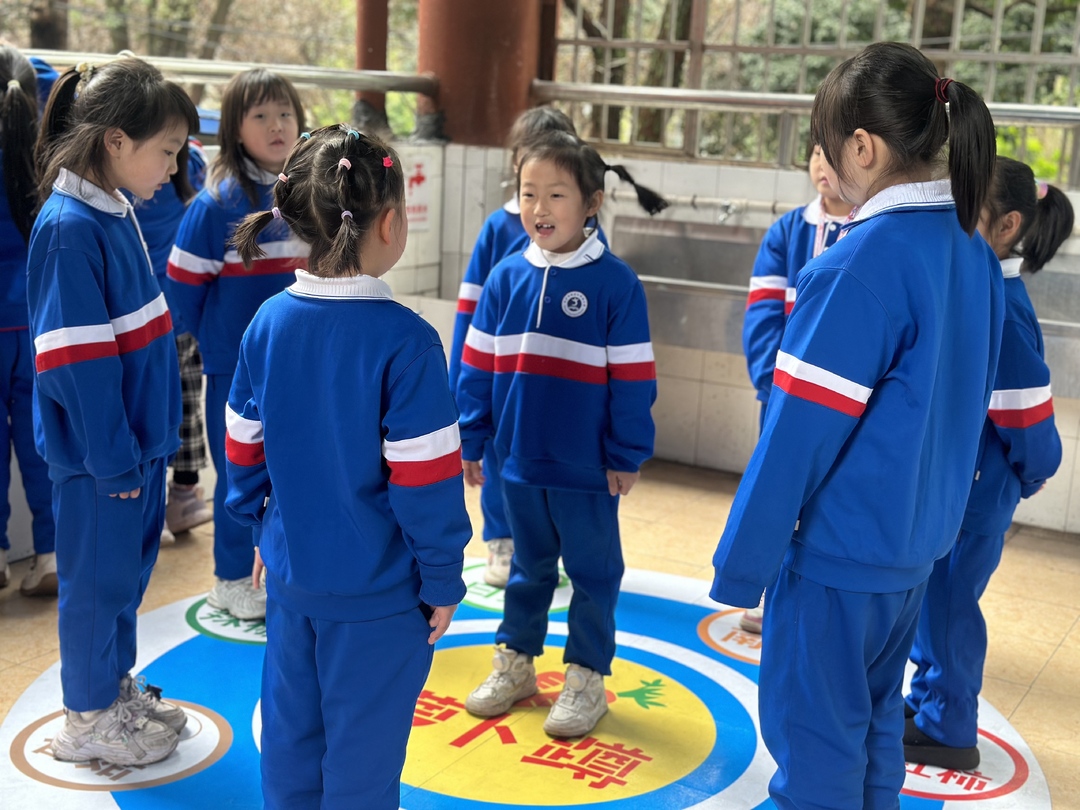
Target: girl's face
[553,210]
[143,167]
[824,186]
[268,132]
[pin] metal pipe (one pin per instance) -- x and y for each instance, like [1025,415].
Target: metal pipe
[682,99]
[204,70]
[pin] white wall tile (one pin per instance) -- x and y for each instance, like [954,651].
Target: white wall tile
[675,413]
[1067,416]
[402,280]
[742,183]
[645,172]
[676,361]
[728,429]
[427,279]
[729,369]
[794,187]
[439,313]
[455,154]
[689,179]
[453,197]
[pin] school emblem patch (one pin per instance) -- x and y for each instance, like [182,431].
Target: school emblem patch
[574,304]
[681,729]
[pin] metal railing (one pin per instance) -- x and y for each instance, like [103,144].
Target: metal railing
[1013,53]
[204,70]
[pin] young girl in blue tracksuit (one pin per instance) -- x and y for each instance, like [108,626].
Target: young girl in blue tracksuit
[501,235]
[18,192]
[343,447]
[789,244]
[1018,451]
[107,399]
[559,329]
[859,480]
[215,296]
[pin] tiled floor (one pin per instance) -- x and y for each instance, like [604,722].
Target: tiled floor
[670,523]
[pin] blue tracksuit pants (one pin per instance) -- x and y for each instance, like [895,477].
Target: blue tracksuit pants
[492,503]
[234,548]
[337,708]
[950,643]
[105,551]
[584,528]
[832,668]
[17,428]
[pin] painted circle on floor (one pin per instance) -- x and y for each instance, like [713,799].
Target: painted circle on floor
[205,739]
[681,732]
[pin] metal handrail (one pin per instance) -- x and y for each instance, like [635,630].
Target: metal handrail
[742,101]
[206,70]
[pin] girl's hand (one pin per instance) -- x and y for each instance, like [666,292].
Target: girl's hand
[440,620]
[257,570]
[125,495]
[620,483]
[474,475]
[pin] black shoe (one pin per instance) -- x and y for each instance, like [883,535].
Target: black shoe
[908,711]
[922,748]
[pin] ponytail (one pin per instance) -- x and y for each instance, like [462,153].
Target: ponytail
[245,237]
[652,202]
[18,131]
[972,149]
[55,121]
[1052,225]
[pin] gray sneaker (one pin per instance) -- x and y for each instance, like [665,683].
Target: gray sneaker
[239,598]
[580,705]
[149,697]
[513,679]
[500,553]
[121,735]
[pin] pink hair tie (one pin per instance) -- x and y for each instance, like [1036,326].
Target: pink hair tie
[283,178]
[276,212]
[941,89]
[345,162]
[1040,189]
[345,214]
[387,162]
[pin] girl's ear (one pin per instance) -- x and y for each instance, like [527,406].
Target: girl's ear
[114,140]
[594,204]
[386,225]
[863,148]
[1008,227]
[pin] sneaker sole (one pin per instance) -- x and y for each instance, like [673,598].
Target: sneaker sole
[188,525]
[111,757]
[48,585]
[750,626]
[500,708]
[495,581]
[214,603]
[572,731]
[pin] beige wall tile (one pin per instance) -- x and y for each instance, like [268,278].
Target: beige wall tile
[729,369]
[676,361]
[729,427]
[676,415]
[1067,416]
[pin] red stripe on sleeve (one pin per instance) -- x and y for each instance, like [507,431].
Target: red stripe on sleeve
[465,306]
[1022,418]
[143,336]
[422,473]
[764,294]
[74,354]
[813,392]
[634,372]
[477,359]
[186,277]
[243,454]
[264,267]
[551,367]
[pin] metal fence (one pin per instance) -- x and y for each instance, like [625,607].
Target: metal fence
[1020,52]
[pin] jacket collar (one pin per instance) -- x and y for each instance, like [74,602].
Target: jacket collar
[513,206]
[255,173]
[907,196]
[589,252]
[1010,268]
[348,288]
[72,185]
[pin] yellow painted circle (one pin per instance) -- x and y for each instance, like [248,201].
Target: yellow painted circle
[656,732]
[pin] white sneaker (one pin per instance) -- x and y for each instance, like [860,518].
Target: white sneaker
[751,619]
[121,735]
[41,579]
[514,679]
[239,598]
[5,569]
[149,697]
[580,705]
[167,536]
[500,553]
[186,508]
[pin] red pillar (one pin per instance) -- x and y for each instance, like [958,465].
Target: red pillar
[372,28]
[485,55]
